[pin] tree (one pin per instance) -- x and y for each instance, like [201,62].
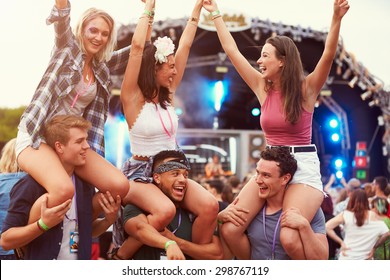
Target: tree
[9,121]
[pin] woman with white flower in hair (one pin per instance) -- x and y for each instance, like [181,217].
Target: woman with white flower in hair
[153,74]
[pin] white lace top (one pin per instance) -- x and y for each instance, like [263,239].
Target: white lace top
[154,130]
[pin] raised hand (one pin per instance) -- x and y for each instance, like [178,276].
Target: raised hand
[340,8]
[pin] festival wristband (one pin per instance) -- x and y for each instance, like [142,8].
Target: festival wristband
[168,243]
[42,226]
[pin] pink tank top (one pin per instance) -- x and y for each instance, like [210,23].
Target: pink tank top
[280,132]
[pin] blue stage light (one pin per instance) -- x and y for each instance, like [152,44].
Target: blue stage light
[255,112]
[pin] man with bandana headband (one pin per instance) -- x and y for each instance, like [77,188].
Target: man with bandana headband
[170,172]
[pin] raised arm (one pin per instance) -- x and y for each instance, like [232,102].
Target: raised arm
[60,16]
[317,78]
[249,74]
[185,43]
[131,95]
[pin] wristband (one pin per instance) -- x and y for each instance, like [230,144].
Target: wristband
[42,225]
[215,13]
[168,243]
[219,222]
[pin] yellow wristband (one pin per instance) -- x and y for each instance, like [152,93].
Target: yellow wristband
[168,243]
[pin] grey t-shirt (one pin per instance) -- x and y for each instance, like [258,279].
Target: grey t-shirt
[261,245]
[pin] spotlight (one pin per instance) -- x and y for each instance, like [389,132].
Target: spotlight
[347,73]
[255,112]
[372,103]
[366,95]
[339,174]
[335,137]
[172,33]
[257,35]
[353,82]
[333,123]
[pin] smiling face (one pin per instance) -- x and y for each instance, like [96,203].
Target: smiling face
[271,183]
[74,152]
[166,72]
[96,34]
[172,183]
[269,65]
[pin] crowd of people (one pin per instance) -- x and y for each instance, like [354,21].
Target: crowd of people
[60,192]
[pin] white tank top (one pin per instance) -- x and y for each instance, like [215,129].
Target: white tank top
[154,130]
[360,240]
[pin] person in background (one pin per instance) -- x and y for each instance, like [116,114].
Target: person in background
[379,205]
[361,227]
[327,208]
[287,98]
[152,77]
[370,191]
[352,185]
[64,231]
[213,169]
[380,185]
[216,187]
[76,82]
[9,175]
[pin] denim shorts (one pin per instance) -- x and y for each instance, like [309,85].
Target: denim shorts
[138,170]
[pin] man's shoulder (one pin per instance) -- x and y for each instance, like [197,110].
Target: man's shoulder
[27,182]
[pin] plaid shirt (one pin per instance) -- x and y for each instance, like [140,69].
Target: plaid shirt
[62,75]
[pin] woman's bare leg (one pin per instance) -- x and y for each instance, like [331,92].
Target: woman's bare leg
[235,236]
[205,207]
[151,199]
[103,175]
[307,199]
[45,167]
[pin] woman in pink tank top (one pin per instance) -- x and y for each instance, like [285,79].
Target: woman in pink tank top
[281,78]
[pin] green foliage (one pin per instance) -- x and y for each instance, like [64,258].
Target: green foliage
[9,121]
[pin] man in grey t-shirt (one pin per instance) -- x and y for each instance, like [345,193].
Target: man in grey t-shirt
[274,171]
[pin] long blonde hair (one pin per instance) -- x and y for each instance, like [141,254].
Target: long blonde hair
[8,158]
[90,14]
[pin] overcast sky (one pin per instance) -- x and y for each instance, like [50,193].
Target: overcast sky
[26,41]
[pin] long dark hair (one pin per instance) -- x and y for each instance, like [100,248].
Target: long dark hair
[291,78]
[147,78]
[358,204]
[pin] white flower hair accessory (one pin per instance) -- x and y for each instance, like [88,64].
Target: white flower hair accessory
[164,48]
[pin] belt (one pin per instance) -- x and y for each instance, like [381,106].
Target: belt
[298,149]
[142,158]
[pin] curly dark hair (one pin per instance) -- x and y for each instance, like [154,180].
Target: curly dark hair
[163,155]
[285,160]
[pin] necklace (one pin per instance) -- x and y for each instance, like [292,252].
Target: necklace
[172,132]
[275,232]
[84,89]
[178,223]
